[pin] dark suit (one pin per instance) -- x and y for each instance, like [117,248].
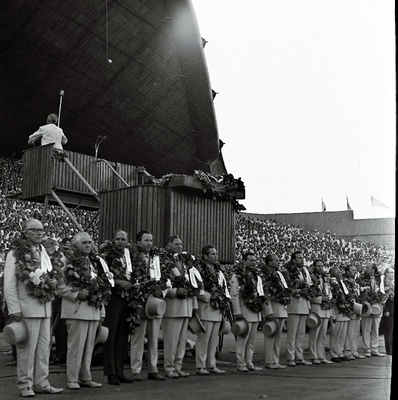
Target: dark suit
[388,325]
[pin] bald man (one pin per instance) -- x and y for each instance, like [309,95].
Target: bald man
[33,359]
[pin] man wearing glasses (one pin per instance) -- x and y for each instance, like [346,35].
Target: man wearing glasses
[28,257]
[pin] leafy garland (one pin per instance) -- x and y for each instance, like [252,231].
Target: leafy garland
[296,283]
[276,291]
[316,282]
[143,286]
[112,257]
[342,301]
[171,261]
[248,289]
[78,275]
[29,272]
[367,294]
[218,298]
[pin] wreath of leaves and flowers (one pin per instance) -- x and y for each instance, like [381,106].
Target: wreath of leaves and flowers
[275,289]
[78,275]
[248,289]
[218,298]
[367,294]
[28,270]
[183,262]
[296,283]
[112,257]
[142,285]
[316,288]
[343,302]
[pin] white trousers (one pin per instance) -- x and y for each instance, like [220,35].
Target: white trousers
[175,333]
[295,336]
[245,346]
[206,345]
[351,341]
[370,333]
[317,340]
[81,339]
[272,345]
[150,328]
[337,339]
[33,359]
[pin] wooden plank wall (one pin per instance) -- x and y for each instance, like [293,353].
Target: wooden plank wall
[41,172]
[197,219]
[133,209]
[38,172]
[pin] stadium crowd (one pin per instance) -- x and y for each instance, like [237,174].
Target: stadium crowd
[131,289]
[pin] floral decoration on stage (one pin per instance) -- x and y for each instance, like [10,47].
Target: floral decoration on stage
[79,275]
[28,269]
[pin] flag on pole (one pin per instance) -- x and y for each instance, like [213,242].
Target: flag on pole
[323,206]
[378,203]
[348,204]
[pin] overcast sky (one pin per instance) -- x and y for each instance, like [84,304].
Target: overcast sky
[306,104]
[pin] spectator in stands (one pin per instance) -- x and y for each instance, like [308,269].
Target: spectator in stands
[50,133]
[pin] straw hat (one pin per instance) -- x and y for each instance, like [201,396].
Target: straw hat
[313,320]
[154,307]
[270,327]
[16,334]
[195,324]
[225,327]
[357,308]
[240,328]
[102,334]
[376,309]
[366,309]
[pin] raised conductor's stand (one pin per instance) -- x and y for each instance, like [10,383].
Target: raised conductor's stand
[179,206]
[71,179]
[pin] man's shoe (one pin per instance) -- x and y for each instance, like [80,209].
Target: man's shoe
[90,384]
[345,358]
[324,361]
[335,359]
[254,368]
[281,366]
[377,354]
[367,354]
[242,369]
[316,362]
[359,356]
[112,380]
[27,392]
[202,371]
[272,366]
[73,385]
[303,362]
[49,390]
[216,370]
[137,377]
[156,376]
[182,374]
[124,379]
[172,374]
[291,363]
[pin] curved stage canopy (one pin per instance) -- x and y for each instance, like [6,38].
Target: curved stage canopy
[153,102]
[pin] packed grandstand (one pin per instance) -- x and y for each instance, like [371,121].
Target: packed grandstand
[262,237]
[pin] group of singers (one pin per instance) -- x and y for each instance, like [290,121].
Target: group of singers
[135,290]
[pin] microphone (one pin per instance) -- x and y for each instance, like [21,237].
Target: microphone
[61,93]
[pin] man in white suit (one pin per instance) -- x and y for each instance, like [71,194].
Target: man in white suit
[33,359]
